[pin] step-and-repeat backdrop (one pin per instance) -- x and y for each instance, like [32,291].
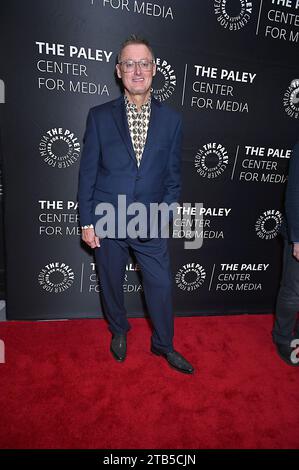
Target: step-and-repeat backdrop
[229,66]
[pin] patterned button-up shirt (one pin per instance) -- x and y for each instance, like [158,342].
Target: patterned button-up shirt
[138,123]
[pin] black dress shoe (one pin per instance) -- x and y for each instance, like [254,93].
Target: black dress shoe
[175,360]
[118,347]
[285,353]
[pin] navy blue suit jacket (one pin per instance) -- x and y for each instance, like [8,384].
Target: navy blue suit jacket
[291,229]
[108,163]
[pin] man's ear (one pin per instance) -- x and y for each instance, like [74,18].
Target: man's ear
[118,72]
[154,70]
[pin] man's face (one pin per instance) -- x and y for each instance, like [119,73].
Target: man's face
[138,81]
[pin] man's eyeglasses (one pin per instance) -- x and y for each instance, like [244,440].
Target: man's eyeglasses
[129,65]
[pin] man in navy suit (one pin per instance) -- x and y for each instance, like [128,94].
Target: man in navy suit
[286,326]
[132,148]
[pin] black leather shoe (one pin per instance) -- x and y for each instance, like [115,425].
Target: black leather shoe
[175,360]
[118,347]
[285,353]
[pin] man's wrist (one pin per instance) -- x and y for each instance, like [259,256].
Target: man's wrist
[84,227]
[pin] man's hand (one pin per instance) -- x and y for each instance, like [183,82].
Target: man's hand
[90,238]
[296,251]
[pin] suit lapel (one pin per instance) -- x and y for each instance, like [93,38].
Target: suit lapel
[153,130]
[120,117]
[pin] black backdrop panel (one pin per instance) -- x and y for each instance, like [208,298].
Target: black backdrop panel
[230,67]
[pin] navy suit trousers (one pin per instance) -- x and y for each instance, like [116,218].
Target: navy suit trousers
[286,326]
[153,258]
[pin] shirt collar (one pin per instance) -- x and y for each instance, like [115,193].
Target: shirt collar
[132,106]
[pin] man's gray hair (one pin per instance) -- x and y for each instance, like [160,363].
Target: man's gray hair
[134,39]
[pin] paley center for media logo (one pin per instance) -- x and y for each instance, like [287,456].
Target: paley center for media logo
[56,277]
[190,276]
[268,224]
[59,147]
[233,14]
[211,160]
[165,80]
[291,99]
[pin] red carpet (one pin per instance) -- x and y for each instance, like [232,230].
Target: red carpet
[61,388]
